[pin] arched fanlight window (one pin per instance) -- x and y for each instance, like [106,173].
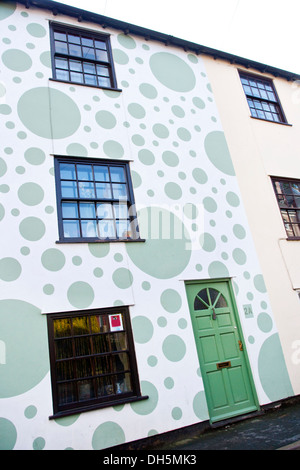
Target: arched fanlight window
[209,298]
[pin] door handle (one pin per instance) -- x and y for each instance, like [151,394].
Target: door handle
[240,345]
[214,315]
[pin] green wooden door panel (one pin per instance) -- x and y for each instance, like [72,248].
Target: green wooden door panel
[226,376]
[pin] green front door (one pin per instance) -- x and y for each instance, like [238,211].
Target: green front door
[224,366]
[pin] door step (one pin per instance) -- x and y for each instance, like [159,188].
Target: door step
[226,422]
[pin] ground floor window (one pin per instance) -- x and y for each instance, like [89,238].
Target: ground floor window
[92,359]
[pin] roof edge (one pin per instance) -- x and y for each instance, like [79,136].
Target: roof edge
[149,34]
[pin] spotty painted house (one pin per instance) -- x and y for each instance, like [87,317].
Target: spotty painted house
[130,285]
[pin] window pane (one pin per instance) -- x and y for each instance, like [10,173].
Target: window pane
[60,36]
[89,68]
[103,190]
[62,327]
[123,229]
[69,189]
[85,390]
[66,394]
[107,229]
[61,47]
[86,190]
[76,77]
[119,191]
[67,171]
[73,39]
[87,210]
[90,79]
[85,172]
[89,229]
[105,82]
[87,42]
[71,229]
[70,210]
[102,70]
[75,66]
[101,173]
[61,63]
[101,55]
[117,174]
[75,50]
[88,53]
[104,211]
[100,44]
[62,75]
[121,211]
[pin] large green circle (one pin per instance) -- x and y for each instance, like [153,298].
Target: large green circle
[49,113]
[167,251]
[172,71]
[218,153]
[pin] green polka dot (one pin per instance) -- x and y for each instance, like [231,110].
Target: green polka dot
[3,167]
[7,9]
[16,60]
[161,131]
[80,294]
[173,191]
[174,348]
[207,242]
[239,231]
[5,109]
[126,41]
[264,322]
[34,156]
[217,269]
[10,269]
[30,412]
[239,256]
[199,175]
[170,300]
[48,289]
[273,373]
[32,228]
[142,329]
[136,110]
[200,406]
[37,108]
[169,383]
[38,443]
[148,91]
[184,134]
[209,204]
[146,407]
[8,433]
[36,30]
[170,158]
[2,212]
[77,150]
[108,434]
[178,111]
[138,140]
[198,102]
[53,259]
[27,361]
[99,250]
[122,278]
[146,157]
[120,57]
[168,248]
[259,283]
[232,199]
[113,149]
[218,153]
[176,413]
[31,194]
[105,119]
[45,59]
[172,72]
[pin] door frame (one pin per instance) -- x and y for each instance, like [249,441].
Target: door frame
[228,281]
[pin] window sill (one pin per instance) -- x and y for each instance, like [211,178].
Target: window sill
[98,406]
[274,122]
[85,85]
[291,239]
[121,240]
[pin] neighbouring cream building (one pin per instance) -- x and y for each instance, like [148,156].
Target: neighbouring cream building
[149,223]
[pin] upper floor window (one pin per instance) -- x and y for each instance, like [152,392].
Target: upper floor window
[262,98]
[95,200]
[288,197]
[80,56]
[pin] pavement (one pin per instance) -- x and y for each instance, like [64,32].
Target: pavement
[273,428]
